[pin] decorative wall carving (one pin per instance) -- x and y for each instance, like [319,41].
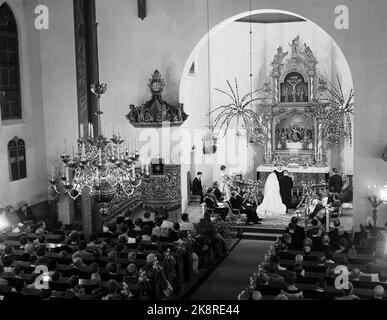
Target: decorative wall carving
[156,111]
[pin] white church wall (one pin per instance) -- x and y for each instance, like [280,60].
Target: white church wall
[49,102]
[30,128]
[59,93]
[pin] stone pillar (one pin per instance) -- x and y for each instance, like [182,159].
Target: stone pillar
[87,212]
[65,210]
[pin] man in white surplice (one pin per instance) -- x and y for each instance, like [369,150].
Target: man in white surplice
[271,205]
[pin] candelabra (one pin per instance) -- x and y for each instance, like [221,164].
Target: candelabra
[101,165]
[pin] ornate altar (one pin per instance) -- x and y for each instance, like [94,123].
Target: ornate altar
[156,111]
[294,137]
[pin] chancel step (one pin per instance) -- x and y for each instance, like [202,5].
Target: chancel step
[259,229]
[260,236]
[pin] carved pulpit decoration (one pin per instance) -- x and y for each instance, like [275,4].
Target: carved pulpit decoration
[293,138]
[156,111]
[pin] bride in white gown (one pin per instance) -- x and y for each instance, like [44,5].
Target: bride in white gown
[271,205]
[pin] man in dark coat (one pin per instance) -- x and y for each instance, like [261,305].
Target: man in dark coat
[286,186]
[197,188]
[335,182]
[25,213]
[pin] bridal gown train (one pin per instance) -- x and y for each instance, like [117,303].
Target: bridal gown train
[271,205]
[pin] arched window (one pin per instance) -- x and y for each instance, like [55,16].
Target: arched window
[17,159]
[10,100]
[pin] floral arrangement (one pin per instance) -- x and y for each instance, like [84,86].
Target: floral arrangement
[239,111]
[336,119]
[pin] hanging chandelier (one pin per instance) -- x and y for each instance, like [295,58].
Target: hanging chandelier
[101,165]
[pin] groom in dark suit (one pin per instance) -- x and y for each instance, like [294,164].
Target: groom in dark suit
[286,186]
[197,188]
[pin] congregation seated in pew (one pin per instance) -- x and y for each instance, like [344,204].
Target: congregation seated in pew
[302,270]
[148,258]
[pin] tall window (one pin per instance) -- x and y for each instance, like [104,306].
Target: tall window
[17,159]
[10,100]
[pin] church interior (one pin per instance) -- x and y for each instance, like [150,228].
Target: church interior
[192,150]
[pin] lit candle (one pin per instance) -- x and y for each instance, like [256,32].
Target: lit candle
[83,150]
[133,171]
[100,155]
[369,191]
[91,131]
[67,174]
[81,131]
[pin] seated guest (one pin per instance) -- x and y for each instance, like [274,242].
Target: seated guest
[264,287]
[207,228]
[174,234]
[379,263]
[290,290]
[146,233]
[25,214]
[8,261]
[113,291]
[41,228]
[334,204]
[147,220]
[3,282]
[355,275]
[320,293]
[237,202]
[315,225]
[19,292]
[157,230]
[23,241]
[82,251]
[275,279]
[364,247]
[276,259]
[212,204]
[166,223]
[307,254]
[344,246]
[321,264]
[197,188]
[362,234]
[347,293]
[186,225]
[217,193]
[284,254]
[317,241]
[297,232]
[288,239]
[379,292]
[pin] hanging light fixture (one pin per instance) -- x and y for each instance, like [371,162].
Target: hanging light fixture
[101,165]
[209,139]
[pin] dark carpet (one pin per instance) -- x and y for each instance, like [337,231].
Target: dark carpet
[233,274]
